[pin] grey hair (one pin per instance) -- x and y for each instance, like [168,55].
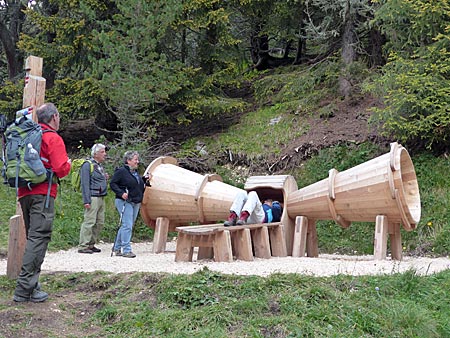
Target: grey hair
[45,112]
[96,148]
[129,155]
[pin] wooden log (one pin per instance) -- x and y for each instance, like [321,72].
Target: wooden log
[380,241]
[160,235]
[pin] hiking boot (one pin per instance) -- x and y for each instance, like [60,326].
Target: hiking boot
[231,219]
[86,251]
[243,218]
[36,296]
[128,255]
[94,249]
[118,253]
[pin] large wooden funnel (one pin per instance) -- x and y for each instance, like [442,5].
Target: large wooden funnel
[386,185]
[183,196]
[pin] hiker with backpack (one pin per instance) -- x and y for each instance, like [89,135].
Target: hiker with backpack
[247,208]
[38,205]
[128,186]
[93,190]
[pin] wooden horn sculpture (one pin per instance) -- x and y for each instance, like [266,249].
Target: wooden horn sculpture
[386,185]
[183,196]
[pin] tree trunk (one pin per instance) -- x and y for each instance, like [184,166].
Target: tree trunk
[348,53]
[375,51]
[10,28]
[10,51]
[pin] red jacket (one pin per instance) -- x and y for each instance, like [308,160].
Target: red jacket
[54,150]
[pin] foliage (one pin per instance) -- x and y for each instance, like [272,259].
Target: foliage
[415,82]
[10,99]
[136,77]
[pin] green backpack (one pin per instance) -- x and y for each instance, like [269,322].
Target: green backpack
[75,173]
[24,167]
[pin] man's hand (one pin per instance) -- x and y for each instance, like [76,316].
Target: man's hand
[87,206]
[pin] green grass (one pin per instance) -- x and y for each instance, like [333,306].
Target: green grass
[210,304]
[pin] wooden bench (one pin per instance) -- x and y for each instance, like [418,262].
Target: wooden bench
[244,242]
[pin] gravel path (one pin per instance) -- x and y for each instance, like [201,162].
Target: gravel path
[324,265]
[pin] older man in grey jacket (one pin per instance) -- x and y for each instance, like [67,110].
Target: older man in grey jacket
[93,189]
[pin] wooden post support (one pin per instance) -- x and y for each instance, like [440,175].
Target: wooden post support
[312,245]
[222,247]
[184,248]
[34,90]
[395,238]
[277,241]
[380,241]
[160,235]
[33,65]
[261,242]
[33,95]
[16,246]
[300,234]
[242,245]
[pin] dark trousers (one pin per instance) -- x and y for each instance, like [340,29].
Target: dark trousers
[38,226]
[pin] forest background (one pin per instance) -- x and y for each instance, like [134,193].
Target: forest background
[245,87]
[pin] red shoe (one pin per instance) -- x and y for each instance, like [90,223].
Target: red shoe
[243,218]
[231,219]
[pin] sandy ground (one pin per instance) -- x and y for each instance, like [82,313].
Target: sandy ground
[146,261]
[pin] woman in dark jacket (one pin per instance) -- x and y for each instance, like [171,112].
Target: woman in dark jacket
[129,187]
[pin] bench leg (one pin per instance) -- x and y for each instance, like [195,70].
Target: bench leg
[261,242]
[395,238]
[184,250]
[160,236]
[242,245]
[222,247]
[277,241]
[312,245]
[380,242]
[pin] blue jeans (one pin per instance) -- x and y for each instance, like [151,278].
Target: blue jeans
[130,213]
